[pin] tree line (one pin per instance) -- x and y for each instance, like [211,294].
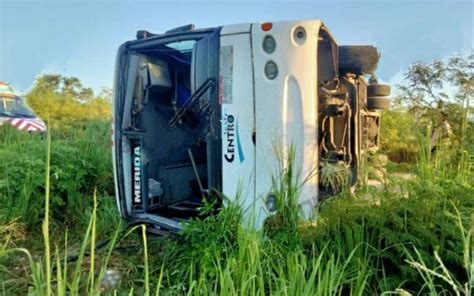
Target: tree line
[62,100]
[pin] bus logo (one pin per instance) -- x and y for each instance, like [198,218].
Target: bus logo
[137,190]
[232,139]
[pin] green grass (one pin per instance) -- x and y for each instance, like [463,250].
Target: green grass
[417,237]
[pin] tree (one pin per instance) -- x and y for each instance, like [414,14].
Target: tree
[443,85]
[106,94]
[433,85]
[62,100]
[48,82]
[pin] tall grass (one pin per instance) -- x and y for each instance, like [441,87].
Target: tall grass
[420,244]
[441,272]
[79,163]
[47,252]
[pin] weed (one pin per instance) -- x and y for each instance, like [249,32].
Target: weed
[334,175]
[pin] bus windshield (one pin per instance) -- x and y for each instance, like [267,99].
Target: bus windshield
[13,106]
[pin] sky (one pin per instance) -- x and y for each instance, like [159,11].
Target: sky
[80,38]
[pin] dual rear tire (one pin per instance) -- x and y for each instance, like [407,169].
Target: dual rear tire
[377,96]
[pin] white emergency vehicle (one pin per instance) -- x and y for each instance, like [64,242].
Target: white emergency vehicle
[15,112]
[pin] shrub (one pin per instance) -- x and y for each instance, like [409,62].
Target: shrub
[64,101]
[398,136]
[79,164]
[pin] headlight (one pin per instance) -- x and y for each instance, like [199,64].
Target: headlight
[269,44]
[271,70]
[271,202]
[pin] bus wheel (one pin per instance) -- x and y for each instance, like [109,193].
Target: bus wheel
[378,90]
[378,103]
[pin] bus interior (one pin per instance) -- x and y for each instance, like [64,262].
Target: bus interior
[170,122]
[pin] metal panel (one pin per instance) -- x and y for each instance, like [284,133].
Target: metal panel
[238,150]
[235,29]
[286,109]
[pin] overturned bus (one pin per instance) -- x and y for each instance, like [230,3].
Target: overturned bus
[200,113]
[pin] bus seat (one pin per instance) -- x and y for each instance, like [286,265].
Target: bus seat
[156,76]
[183,93]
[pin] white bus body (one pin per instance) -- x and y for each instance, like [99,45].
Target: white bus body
[214,112]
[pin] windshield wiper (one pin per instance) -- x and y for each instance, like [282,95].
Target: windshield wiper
[209,83]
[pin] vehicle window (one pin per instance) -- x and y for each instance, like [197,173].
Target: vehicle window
[14,107]
[182,46]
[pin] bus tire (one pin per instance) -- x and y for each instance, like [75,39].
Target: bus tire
[380,103]
[378,90]
[358,59]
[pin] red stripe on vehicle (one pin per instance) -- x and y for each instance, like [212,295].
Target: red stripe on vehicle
[20,124]
[35,124]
